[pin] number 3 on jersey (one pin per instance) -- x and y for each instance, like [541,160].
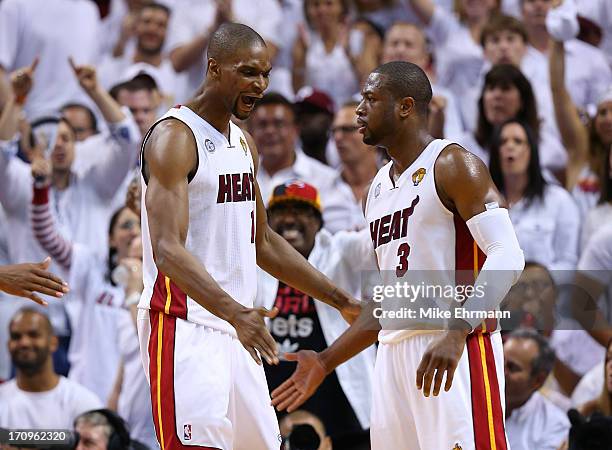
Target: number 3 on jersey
[403,251]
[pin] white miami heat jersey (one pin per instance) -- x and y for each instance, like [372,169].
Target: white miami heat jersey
[412,230]
[221,231]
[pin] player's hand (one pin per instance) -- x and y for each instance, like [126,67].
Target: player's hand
[25,280]
[442,356]
[86,76]
[308,376]
[22,81]
[254,335]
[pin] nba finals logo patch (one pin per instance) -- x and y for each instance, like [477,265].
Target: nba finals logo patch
[244,145]
[457,447]
[209,145]
[417,177]
[187,432]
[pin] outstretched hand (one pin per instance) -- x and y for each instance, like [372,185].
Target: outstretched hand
[442,356]
[254,335]
[25,280]
[308,376]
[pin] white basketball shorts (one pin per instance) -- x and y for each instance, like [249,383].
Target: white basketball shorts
[470,416]
[206,390]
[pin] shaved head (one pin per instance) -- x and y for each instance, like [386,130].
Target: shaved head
[229,39]
[404,79]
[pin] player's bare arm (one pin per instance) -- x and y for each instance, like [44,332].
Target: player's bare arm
[169,158]
[277,257]
[313,367]
[465,187]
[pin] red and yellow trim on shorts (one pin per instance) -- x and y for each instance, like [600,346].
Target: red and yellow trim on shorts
[487,412]
[167,300]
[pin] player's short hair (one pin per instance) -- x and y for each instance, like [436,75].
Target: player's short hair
[501,22]
[403,79]
[545,360]
[229,38]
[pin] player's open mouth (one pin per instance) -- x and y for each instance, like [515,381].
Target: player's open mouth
[249,100]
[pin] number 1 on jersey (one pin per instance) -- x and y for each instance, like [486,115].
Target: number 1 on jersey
[403,252]
[253,227]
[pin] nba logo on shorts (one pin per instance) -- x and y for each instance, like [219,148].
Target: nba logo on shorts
[187,432]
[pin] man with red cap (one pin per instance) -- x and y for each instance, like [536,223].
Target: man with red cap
[343,402]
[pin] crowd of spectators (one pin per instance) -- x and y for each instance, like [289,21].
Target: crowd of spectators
[526,85]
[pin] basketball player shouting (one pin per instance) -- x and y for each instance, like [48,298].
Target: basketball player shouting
[444,193]
[204,230]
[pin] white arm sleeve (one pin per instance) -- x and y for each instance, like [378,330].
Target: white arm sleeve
[493,232]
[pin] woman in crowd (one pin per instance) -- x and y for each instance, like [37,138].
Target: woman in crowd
[588,176]
[544,215]
[101,306]
[330,55]
[506,94]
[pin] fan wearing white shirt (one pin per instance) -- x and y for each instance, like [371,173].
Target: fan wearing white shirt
[304,323]
[150,27]
[532,421]
[600,12]
[80,198]
[39,398]
[505,41]
[456,39]
[588,147]
[193,21]
[544,215]
[359,161]
[594,281]
[272,125]
[407,42]
[588,73]
[51,30]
